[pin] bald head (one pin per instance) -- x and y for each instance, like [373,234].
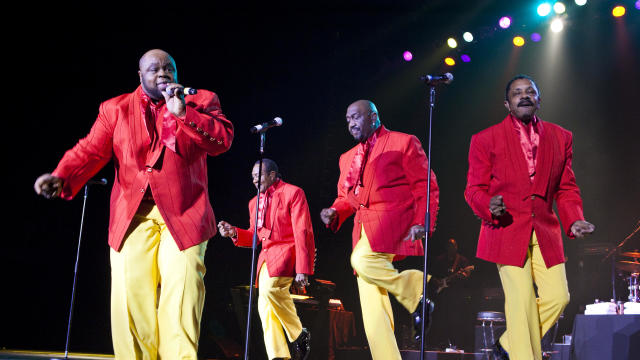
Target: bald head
[152,54]
[156,69]
[365,105]
[362,119]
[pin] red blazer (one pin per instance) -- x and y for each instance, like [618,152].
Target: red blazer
[497,166]
[178,180]
[287,235]
[394,196]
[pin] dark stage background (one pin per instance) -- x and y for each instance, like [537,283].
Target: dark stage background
[305,62]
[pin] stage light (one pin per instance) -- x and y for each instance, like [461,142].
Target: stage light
[557,25]
[407,55]
[449,61]
[465,58]
[452,43]
[581,2]
[468,37]
[638,4]
[518,41]
[535,37]
[618,11]
[504,22]
[544,9]
[559,8]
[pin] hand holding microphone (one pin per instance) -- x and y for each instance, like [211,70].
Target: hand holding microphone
[174,97]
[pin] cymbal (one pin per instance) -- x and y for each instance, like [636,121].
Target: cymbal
[629,266]
[633,254]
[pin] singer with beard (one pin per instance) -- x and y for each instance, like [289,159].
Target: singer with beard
[161,217]
[287,256]
[383,181]
[517,168]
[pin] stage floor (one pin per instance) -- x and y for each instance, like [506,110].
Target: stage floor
[29,354]
[354,354]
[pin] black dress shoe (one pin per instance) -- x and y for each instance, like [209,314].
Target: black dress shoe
[416,316]
[301,346]
[499,353]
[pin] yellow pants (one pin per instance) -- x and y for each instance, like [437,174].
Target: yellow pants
[157,292]
[529,318]
[277,310]
[376,278]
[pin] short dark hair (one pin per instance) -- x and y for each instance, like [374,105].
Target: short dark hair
[518,77]
[269,165]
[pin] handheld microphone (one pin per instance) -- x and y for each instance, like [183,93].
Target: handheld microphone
[183,90]
[260,128]
[445,78]
[102,181]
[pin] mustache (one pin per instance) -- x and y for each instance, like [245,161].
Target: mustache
[525,103]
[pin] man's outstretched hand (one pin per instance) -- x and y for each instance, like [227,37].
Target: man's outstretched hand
[48,186]
[580,228]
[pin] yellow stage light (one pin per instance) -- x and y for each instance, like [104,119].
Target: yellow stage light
[518,41]
[618,11]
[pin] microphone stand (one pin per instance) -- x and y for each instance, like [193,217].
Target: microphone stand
[75,270]
[426,303]
[253,249]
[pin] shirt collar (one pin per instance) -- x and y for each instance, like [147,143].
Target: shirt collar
[371,140]
[535,122]
[147,101]
[271,189]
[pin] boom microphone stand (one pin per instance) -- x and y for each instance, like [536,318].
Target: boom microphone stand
[432,81]
[260,129]
[75,270]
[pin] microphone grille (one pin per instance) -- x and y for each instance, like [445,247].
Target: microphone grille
[278,121]
[449,77]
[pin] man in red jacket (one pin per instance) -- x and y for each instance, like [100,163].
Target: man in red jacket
[383,181]
[288,250]
[517,168]
[161,217]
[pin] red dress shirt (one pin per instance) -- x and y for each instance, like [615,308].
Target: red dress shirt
[529,140]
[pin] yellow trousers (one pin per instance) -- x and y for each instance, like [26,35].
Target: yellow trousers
[529,318]
[277,311]
[376,278]
[157,292]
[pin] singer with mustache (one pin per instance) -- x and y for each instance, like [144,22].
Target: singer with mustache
[160,213]
[517,168]
[287,256]
[383,181]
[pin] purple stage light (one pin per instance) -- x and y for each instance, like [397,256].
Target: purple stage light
[535,37]
[504,22]
[465,58]
[638,4]
[407,55]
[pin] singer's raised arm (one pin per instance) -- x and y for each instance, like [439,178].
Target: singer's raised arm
[205,124]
